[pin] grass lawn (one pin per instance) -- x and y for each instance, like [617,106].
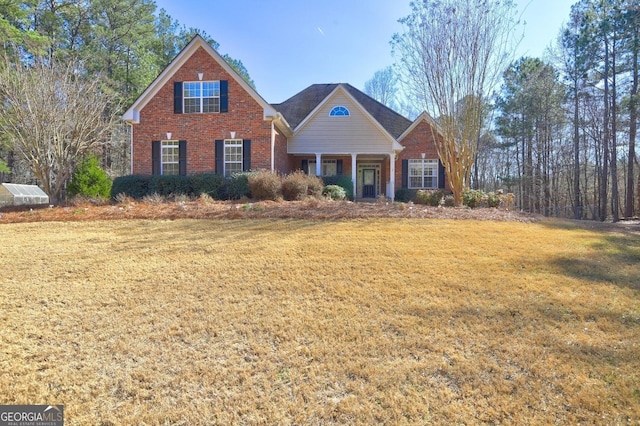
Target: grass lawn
[275,321]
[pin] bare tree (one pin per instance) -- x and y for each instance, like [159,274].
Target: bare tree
[53,115]
[453,50]
[383,87]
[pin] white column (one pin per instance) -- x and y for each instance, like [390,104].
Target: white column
[354,174]
[318,164]
[392,178]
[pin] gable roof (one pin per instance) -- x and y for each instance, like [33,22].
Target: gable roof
[298,107]
[132,115]
[422,117]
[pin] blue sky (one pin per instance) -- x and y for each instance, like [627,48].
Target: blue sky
[287,45]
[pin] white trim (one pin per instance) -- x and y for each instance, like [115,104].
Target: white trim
[132,115]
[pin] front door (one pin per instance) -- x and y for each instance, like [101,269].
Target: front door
[368,183]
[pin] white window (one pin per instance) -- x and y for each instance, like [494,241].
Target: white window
[329,167]
[232,156]
[170,154]
[201,96]
[339,111]
[423,174]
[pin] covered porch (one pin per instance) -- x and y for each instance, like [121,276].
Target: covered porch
[372,175]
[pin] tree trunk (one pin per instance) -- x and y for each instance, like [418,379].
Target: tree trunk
[633,123]
[604,175]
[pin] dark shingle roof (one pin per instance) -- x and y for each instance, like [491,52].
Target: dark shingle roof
[299,106]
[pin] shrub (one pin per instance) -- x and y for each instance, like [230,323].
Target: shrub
[265,185]
[334,192]
[342,181]
[404,195]
[134,186]
[238,186]
[472,198]
[430,197]
[214,185]
[89,180]
[295,186]
[314,186]
[449,201]
[493,200]
[166,185]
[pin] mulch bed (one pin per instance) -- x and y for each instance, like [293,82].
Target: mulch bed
[198,209]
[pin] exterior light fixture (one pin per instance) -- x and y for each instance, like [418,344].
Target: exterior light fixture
[168,135]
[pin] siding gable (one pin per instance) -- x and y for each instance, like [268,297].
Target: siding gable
[358,132]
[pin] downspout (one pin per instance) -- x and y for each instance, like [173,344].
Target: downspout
[131,145]
[273,146]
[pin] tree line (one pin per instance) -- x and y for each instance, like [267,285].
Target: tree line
[558,132]
[56,53]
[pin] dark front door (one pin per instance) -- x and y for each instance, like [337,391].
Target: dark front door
[368,183]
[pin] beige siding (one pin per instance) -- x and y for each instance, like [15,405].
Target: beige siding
[353,134]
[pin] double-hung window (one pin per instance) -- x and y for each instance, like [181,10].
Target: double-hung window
[201,96]
[232,156]
[329,167]
[423,174]
[170,155]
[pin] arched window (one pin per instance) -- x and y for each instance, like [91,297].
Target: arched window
[339,111]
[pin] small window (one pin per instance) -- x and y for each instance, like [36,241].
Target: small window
[423,174]
[232,156]
[170,158]
[339,111]
[201,96]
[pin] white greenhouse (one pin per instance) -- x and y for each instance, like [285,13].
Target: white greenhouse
[13,194]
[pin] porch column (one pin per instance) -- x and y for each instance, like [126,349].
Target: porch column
[318,164]
[391,191]
[354,175]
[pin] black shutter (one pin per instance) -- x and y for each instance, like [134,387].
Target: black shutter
[155,157]
[177,97]
[339,167]
[305,166]
[182,158]
[219,157]
[440,175]
[405,173]
[224,96]
[246,155]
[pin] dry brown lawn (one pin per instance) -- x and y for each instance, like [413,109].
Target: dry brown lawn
[347,321]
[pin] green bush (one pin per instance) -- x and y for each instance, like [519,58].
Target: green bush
[213,185]
[493,200]
[89,180]
[334,192]
[238,186]
[472,198]
[264,185]
[342,181]
[404,195]
[166,185]
[134,186]
[430,197]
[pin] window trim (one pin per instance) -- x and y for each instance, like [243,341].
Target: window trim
[165,145]
[201,97]
[232,143]
[311,170]
[339,111]
[424,165]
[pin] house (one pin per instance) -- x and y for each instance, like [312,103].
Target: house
[200,116]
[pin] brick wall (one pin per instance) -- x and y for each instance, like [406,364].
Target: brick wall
[419,141]
[245,117]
